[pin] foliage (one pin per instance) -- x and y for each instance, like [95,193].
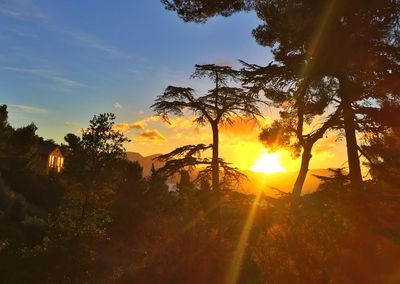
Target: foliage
[220,105]
[140,229]
[102,221]
[354,45]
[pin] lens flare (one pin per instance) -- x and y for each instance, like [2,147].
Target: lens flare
[237,260]
[268,163]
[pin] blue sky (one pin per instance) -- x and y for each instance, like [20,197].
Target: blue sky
[61,62]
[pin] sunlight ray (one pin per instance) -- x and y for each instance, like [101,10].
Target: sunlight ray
[235,267]
[317,38]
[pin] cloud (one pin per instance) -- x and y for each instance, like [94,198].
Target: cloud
[22,10]
[147,120]
[96,43]
[27,10]
[140,124]
[22,33]
[124,127]
[326,144]
[47,74]
[180,123]
[150,135]
[224,62]
[117,105]
[30,108]
[244,127]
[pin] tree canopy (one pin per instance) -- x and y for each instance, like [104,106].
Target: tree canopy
[354,42]
[219,105]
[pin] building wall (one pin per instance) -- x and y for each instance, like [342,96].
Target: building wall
[55,161]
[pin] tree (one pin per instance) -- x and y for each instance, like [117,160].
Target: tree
[218,106]
[92,162]
[185,184]
[354,42]
[94,167]
[300,103]
[381,140]
[200,10]
[4,132]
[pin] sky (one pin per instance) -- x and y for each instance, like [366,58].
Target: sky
[61,62]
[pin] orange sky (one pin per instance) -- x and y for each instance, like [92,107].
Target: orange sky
[238,143]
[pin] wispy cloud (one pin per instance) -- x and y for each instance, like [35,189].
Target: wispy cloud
[30,108]
[151,135]
[22,10]
[27,10]
[47,74]
[22,33]
[117,105]
[96,43]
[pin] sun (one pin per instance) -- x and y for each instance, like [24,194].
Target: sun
[268,163]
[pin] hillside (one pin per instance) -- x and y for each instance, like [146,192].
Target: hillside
[144,161]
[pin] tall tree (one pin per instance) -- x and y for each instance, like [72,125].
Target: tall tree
[218,106]
[381,139]
[300,103]
[354,42]
[92,161]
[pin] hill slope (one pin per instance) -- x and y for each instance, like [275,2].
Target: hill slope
[144,161]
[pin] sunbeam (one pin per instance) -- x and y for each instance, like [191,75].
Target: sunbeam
[235,267]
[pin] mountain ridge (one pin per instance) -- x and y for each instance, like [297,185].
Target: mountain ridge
[269,183]
[145,161]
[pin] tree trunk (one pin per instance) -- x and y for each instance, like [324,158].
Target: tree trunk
[350,133]
[301,177]
[84,206]
[215,159]
[215,170]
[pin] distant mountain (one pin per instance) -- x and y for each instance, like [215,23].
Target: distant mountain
[145,162]
[256,181]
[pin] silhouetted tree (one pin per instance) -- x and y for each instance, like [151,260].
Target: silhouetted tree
[93,159]
[299,105]
[92,173]
[354,42]
[338,180]
[129,207]
[381,140]
[5,130]
[157,182]
[200,10]
[185,184]
[218,106]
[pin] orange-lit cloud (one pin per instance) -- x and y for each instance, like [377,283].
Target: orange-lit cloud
[180,122]
[151,135]
[124,127]
[244,126]
[148,120]
[326,144]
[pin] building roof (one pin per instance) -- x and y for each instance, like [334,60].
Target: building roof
[46,148]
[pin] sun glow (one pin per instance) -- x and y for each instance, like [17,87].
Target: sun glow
[268,163]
